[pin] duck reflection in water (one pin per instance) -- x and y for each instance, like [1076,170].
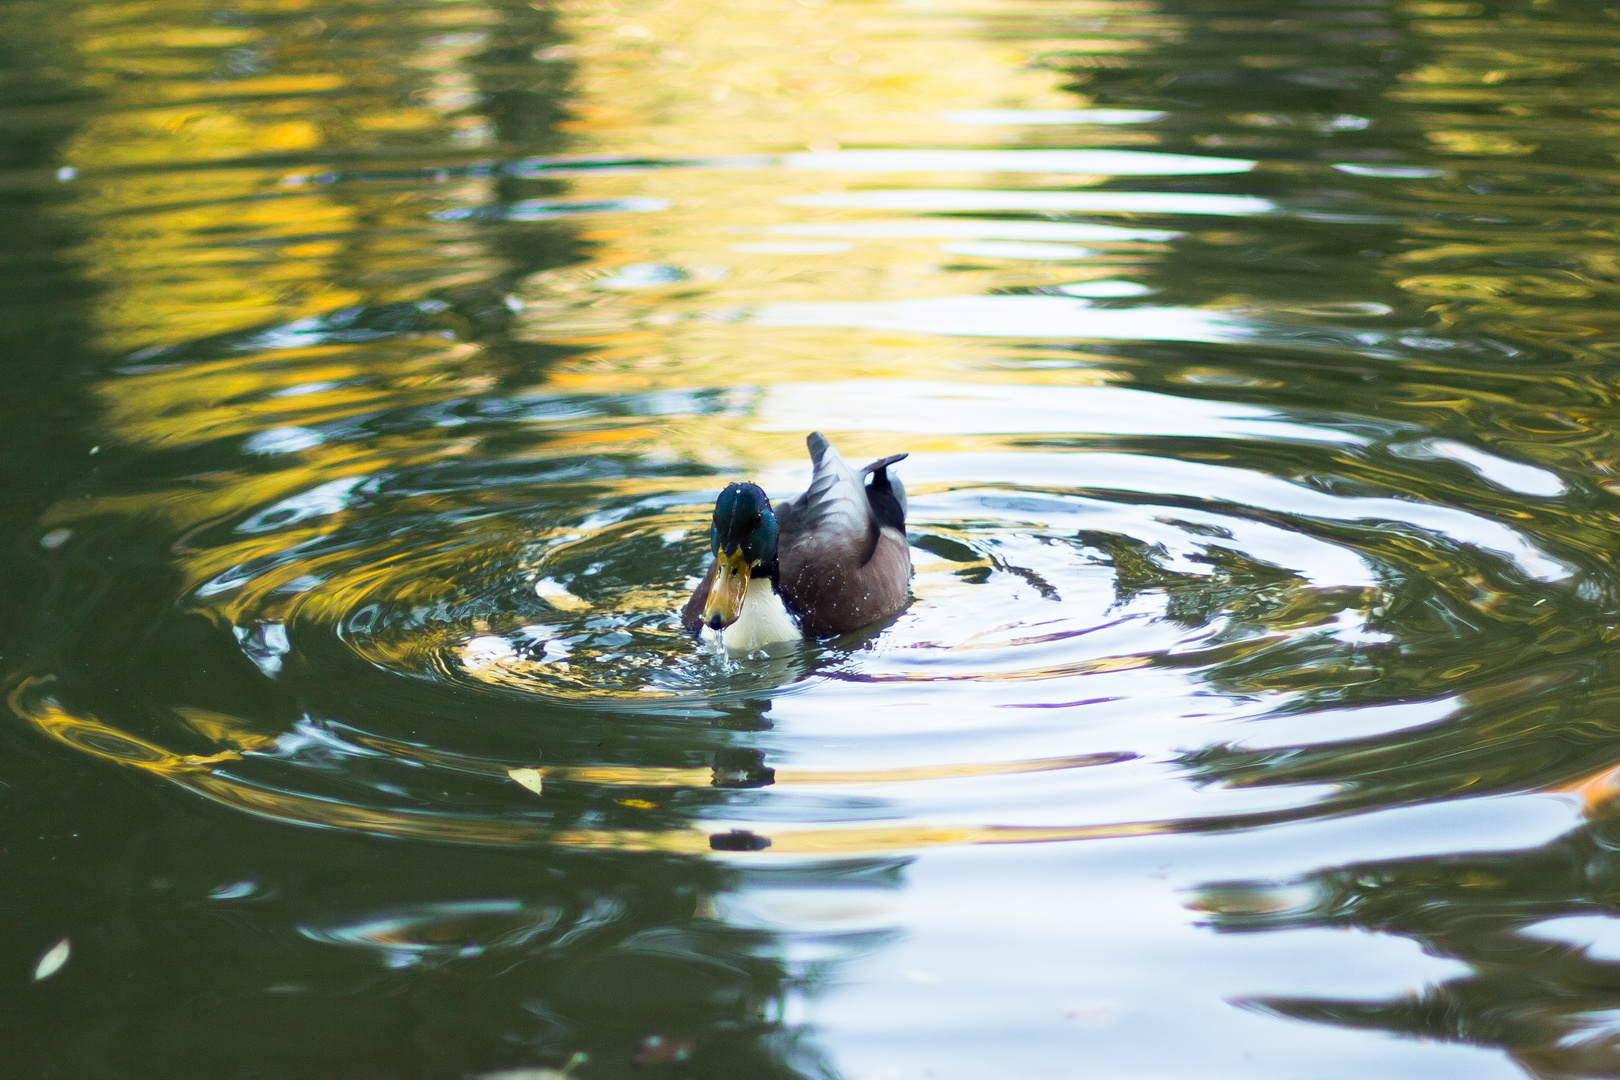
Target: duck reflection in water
[833,560]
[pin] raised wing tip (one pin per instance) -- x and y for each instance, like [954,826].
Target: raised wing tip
[883,463]
[817,442]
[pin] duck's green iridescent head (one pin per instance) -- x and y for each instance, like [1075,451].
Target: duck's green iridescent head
[743,538]
[743,522]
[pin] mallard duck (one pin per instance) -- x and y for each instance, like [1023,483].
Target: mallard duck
[833,560]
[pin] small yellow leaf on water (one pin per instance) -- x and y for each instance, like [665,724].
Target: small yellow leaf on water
[557,595]
[637,804]
[52,961]
[529,778]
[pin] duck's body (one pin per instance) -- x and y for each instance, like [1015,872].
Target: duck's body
[833,560]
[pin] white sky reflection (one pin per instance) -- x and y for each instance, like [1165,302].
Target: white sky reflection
[1093,162]
[951,199]
[970,229]
[1013,317]
[1019,117]
[1007,408]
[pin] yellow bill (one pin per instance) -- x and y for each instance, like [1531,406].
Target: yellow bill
[726,593]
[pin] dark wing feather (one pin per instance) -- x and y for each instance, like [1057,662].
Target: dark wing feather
[883,463]
[886,494]
[843,563]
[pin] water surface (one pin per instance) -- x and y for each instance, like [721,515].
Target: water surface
[373,367]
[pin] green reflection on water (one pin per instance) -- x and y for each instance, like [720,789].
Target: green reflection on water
[372,367]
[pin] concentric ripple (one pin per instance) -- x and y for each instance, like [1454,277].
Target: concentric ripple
[1054,628]
[375,367]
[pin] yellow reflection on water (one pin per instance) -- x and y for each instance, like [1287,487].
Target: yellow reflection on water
[731,76]
[837,224]
[198,226]
[32,700]
[725,79]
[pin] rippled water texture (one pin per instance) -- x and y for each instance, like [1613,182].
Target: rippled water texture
[371,370]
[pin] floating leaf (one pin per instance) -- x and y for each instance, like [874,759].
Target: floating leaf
[529,778]
[52,961]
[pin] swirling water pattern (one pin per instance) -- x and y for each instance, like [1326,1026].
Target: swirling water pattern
[375,366]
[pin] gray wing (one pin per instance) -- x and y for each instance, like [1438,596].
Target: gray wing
[833,509]
[841,566]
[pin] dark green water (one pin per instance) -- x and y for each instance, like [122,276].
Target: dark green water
[370,368]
